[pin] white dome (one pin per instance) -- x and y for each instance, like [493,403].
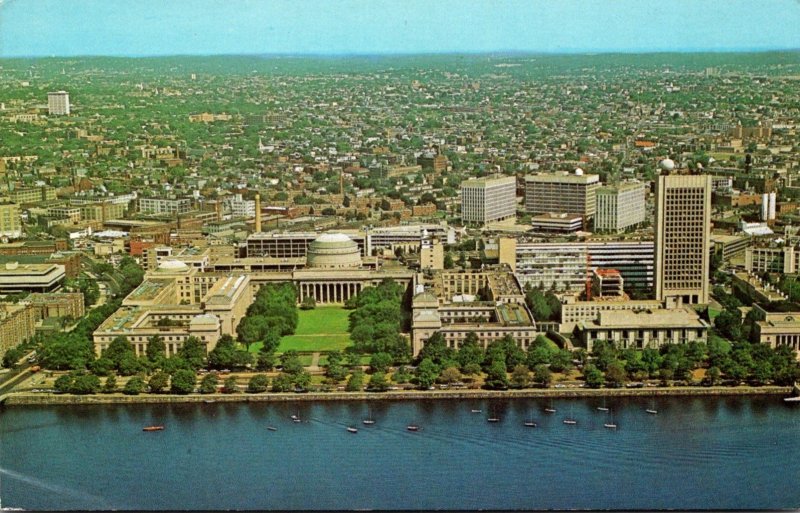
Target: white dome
[667,164]
[172,265]
[333,237]
[579,171]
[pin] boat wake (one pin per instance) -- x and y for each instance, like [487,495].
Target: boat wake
[54,488]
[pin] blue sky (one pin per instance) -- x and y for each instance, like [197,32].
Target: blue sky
[169,27]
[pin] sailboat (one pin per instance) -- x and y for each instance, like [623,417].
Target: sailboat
[652,409]
[610,424]
[550,409]
[351,429]
[369,420]
[296,418]
[571,419]
[604,407]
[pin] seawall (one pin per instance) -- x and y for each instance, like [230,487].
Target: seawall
[23,398]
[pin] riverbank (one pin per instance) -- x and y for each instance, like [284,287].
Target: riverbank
[27,398]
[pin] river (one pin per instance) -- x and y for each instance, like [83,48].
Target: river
[695,453]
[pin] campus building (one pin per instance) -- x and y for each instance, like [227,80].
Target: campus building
[489,304]
[484,200]
[10,222]
[640,329]
[562,192]
[683,227]
[620,207]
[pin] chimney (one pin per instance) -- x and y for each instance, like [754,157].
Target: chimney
[258,213]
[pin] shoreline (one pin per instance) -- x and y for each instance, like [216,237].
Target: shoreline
[33,399]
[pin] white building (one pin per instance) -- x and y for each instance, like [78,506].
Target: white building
[620,207]
[485,200]
[58,103]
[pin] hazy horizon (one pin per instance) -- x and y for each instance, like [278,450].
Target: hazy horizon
[309,28]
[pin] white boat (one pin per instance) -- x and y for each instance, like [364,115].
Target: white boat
[493,419]
[369,420]
[570,421]
[351,429]
[477,411]
[610,425]
[792,399]
[651,411]
[529,423]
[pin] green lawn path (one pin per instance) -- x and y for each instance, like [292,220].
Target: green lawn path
[322,329]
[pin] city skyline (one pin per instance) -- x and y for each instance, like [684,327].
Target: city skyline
[352,27]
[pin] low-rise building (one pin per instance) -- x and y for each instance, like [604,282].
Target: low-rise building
[644,329]
[16,277]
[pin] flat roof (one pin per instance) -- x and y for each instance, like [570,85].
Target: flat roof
[659,318]
[563,178]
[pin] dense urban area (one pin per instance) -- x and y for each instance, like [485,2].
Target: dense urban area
[246,225]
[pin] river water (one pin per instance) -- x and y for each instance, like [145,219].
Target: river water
[695,453]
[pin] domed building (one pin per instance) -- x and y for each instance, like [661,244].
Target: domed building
[333,251]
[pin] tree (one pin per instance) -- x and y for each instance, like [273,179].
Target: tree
[208,385]
[542,375]
[449,375]
[290,361]
[615,374]
[497,375]
[355,382]
[380,362]
[520,376]
[378,383]
[729,325]
[63,383]
[110,385]
[183,382]
[134,386]
[156,349]
[713,375]
[194,352]
[426,373]
[282,383]
[593,376]
[158,382]
[561,361]
[401,375]
[258,384]
[118,349]
[85,384]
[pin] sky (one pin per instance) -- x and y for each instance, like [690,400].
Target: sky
[346,27]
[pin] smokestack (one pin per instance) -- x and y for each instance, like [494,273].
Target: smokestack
[258,213]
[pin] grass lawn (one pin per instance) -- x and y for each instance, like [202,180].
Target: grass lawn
[712,313]
[322,329]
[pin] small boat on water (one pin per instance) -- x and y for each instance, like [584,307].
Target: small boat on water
[493,419]
[209,401]
[530,423]
[652,411]
[271,428]
[413,427]
[153,428]
[792,399]
[549,410]
[570,422]
[610,425]
[351,429]
[477,411]
[369,420]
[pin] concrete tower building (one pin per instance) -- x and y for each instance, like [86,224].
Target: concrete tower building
[58,103]
[682,228]
[562,192]
[485,200]
[619,207]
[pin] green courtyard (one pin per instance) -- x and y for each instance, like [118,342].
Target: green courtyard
[322,329]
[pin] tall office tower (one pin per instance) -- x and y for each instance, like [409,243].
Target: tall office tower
[619,207]
[58,103]
[562,192]
[484,200]
[683,220]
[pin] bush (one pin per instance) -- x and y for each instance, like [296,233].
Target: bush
[134,386]
[258,384]
[230,386]
[183,382]
[208,385]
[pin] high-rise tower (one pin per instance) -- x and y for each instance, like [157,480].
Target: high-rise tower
[682,226]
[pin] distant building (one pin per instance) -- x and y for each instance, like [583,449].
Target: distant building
[27,195]
[432,162]
[17,324]
[58,103]
[10,223]
[620,207]
[683,228]
[15,277]
[777,328]
[773,259]
[165,205]
[485,200]
[562,192]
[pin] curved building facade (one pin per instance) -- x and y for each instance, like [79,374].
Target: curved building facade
[333,251]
